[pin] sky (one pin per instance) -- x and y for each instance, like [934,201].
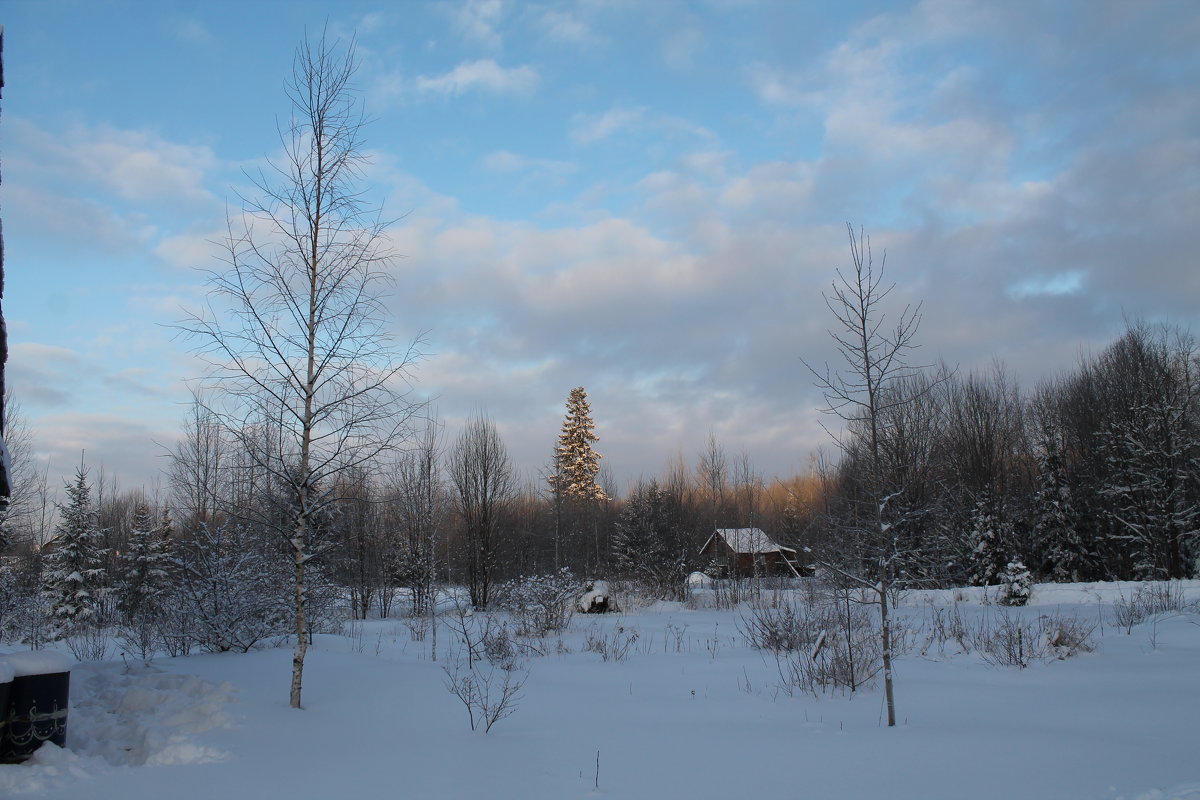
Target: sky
[647,199]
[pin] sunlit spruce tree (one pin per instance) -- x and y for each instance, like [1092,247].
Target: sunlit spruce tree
[576,463]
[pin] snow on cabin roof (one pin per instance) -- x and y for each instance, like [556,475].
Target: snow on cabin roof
[750,540]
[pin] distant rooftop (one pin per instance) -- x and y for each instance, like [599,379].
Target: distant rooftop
[750,540]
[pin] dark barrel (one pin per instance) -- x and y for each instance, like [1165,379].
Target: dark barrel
[36,707]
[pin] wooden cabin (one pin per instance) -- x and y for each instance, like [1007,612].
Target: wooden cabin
[748,553]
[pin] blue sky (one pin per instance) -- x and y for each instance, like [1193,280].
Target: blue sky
[643,198]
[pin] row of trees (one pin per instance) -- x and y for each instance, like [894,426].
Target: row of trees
[1090,476]
[1094,475]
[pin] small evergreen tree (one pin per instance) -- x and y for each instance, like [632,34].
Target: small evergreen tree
[74,572]
[146,566]
[650,545]
[1016,584]
[991,539]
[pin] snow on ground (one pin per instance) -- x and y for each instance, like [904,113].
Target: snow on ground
[691,711]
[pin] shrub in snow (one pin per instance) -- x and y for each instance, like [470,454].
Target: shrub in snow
[88,643]
[779,627]
[1016,584]
[830,642]
[540,604]
[1010,642]
[946,625]
[232,595]
[24,606]
[1147,600]
[498,647]
[1064,637]
[613,646]
[489,695]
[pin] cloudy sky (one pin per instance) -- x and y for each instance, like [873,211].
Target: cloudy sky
[643,197]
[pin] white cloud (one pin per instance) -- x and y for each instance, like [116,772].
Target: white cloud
[591,128]
[43,375]
[485,75]
[507,162]
[478,21]
[190,250]
[128,449]
[136,166]
[777,87]
[566,28]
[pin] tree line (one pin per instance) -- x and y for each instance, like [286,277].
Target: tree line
[1092,475]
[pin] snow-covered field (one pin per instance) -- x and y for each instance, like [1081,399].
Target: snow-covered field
[690,711]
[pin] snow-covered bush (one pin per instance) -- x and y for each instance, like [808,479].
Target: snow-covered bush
[540,604]
[1065,636]
[24,607]
[234,592]
[1016,584]
[140,633]
[946,625]
[498,647]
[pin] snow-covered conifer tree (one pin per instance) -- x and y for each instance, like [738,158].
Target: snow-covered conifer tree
[991,539]
[146,563]
[576,464]
[1016,584]
[74,572]
[1064,554]
[650,545]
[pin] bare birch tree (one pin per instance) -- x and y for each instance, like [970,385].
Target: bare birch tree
[862,394]
[295,330]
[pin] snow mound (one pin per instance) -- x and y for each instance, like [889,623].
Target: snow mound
[41,662]
[143,716]
[49,768]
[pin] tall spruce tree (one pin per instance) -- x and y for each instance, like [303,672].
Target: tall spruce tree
[1064,555]
[576,464]
[75,576]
